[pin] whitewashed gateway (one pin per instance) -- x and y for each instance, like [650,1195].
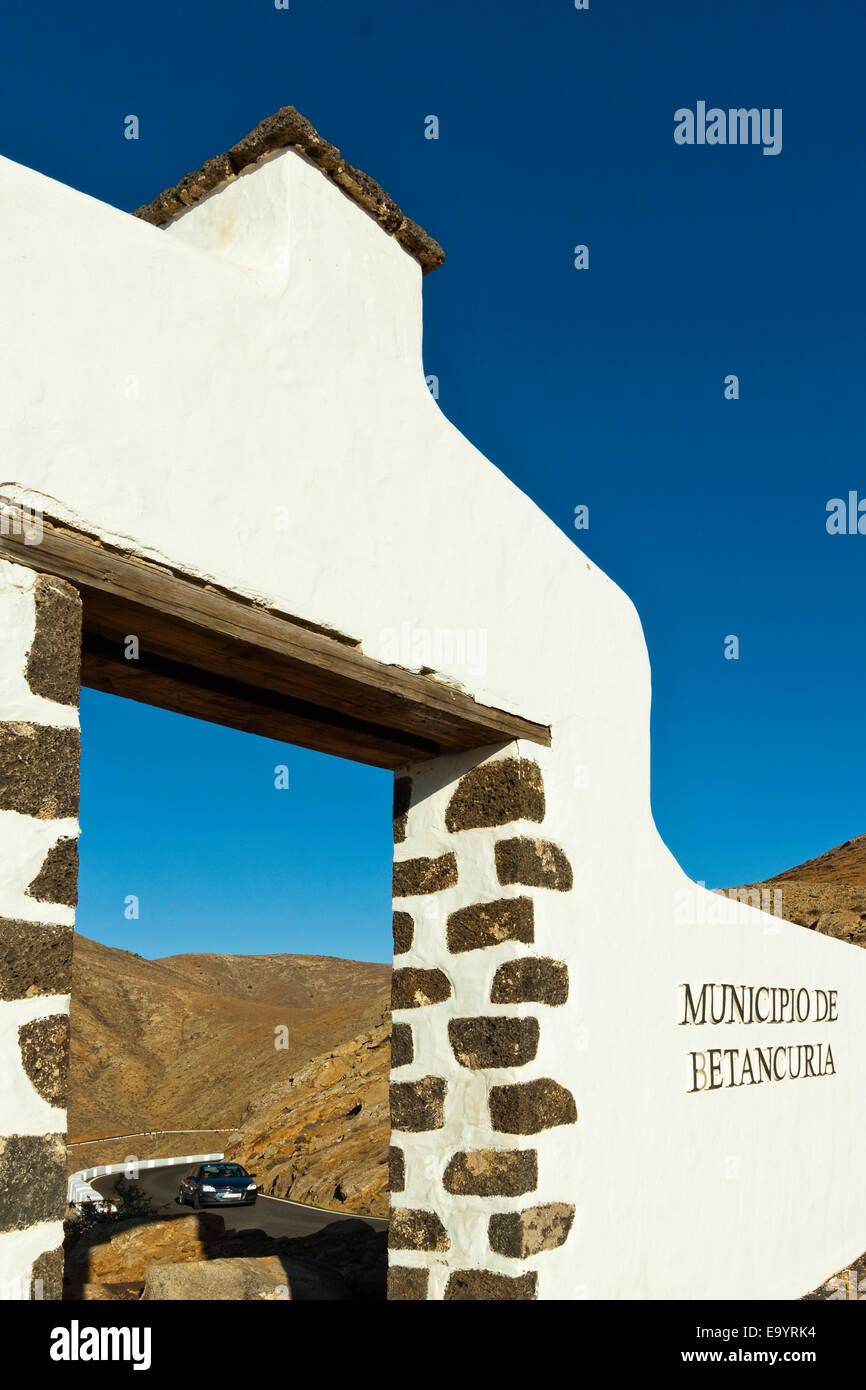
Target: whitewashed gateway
[217,438]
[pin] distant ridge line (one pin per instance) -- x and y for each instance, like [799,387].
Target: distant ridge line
[845,863]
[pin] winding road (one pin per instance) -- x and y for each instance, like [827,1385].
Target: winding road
[272,1214]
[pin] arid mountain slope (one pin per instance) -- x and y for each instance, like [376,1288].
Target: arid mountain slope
[826,894]
[190,1040]
[322,1137]
[844,864]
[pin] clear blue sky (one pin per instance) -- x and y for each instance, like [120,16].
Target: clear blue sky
[602,387]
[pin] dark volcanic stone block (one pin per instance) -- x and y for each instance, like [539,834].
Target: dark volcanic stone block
[522,1233]
[537,863]
[482,1285]
[35,958]
[495,793]
[413,877]
[411,1229]
[404,932]
[402,802]
[54,661]
[396,1169]
[492,1173]
[32,1180]
[407,1284]
[48,1272]
[413,989]
[418,1105]
[39,770]
[530,980]
[487,924]
[493,1041]
[57,880]
[531,1106]
[44,1044]
[402,1047]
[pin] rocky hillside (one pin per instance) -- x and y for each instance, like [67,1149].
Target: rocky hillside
[322,1135]
[826,894]
[189,1040]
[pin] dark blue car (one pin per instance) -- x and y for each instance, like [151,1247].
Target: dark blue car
[218,1185]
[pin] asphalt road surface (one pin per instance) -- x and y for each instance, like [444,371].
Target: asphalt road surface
[271,1214]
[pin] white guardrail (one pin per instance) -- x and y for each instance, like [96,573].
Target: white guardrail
[143,1134]
[79,1191]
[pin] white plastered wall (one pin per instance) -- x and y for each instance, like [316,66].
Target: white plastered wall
[24,843]
[170,391]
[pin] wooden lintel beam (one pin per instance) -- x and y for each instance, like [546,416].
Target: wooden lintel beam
[219,700]
[226,648]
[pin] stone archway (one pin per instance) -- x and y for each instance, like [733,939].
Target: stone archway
[210,654]
[242,464]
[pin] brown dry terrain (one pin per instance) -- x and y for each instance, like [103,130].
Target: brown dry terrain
[323,1138]
[190,1041]
[844,864]
[827,894]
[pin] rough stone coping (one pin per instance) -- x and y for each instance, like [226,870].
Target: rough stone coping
[288,129]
